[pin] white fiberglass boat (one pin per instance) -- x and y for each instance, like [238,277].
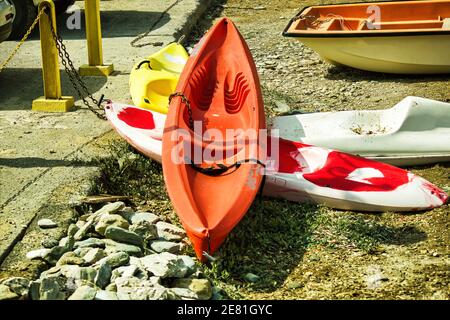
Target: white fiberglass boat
[415,131]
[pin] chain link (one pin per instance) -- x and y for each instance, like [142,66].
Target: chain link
[134,43]
[74,76]
[184,100]
[24,38]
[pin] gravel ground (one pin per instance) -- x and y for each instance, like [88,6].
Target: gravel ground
[343,255]
[283,250]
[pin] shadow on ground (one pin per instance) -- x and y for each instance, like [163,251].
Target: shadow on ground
[35,162]
[365,232]
[20,86]
[269,242]
[115,24]
[274,236]
[215,10]
[351,74]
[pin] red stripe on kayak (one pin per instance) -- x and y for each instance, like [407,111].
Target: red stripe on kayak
[340,165]
[137,118]
[337,169]
[286,162]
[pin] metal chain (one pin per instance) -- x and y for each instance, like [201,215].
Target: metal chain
[74,76]
[134,42]
[24,38]
[184,100]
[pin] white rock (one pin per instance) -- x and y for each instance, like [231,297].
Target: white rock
[165,265]
[94,255]
[189,263]
[108,220]
[136,289]
[79,224]
[124,272]
[110,208]
[167,227]
[115,260]
[145,229]
[106,295]
[127,271]
[200,287]
[83,293]
[6,293]
[169,231]
[51,289]
[38,254]
[281,106]
[165,246]
[47,224]
[18,285]
[144,216]
[83,230]
[67,242]
[136,262]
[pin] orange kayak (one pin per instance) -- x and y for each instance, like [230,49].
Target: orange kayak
[212,173]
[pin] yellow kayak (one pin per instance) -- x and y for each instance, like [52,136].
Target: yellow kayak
[153,79]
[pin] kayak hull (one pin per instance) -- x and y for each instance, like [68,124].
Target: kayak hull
[219,90]
[414,194]
[416,131]
[141,128]
[342,181]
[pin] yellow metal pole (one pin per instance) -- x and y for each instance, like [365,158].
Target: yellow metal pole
[94,42]
[52,101]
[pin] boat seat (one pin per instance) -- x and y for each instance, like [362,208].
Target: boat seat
[446,23]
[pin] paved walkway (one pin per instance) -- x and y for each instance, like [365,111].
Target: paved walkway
[43,157]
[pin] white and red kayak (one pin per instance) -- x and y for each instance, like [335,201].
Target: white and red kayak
[304,173]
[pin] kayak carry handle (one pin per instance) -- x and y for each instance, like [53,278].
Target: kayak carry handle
[143,62]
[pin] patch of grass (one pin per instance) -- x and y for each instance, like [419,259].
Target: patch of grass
[360,231]
[363,234]
[125,172]
[270,96]
[269,241]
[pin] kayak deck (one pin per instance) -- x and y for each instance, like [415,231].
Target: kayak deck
[218,91]
[415,131]
[304,173]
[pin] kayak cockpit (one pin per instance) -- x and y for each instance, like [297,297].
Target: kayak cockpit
[372,17]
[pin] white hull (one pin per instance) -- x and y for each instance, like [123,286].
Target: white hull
[149,142]
[401,55]
[362,187]
[416,131]
[295,188]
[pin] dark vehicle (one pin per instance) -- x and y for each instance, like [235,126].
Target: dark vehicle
[6,18]
[25,11]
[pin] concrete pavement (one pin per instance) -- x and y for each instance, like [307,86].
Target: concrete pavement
[44,158]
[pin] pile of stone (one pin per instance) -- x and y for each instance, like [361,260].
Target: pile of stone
[115,253]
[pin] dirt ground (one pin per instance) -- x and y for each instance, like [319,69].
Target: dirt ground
[306,251]
[45,157]
[310,252]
